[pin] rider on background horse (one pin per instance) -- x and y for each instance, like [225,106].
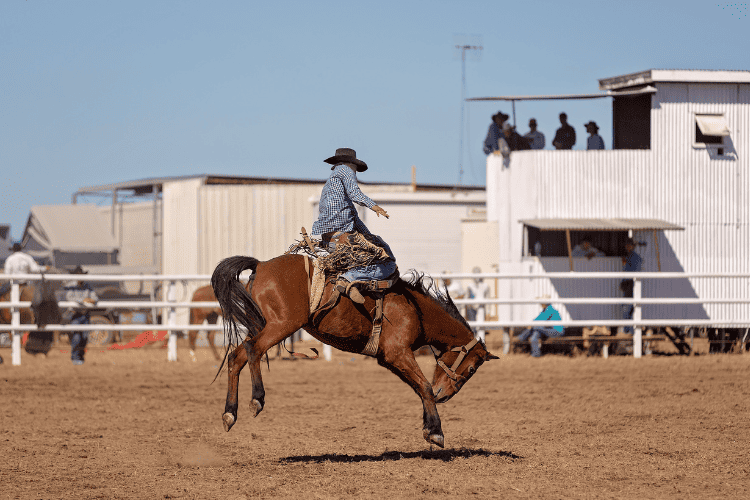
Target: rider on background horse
[19,263]
[338,220]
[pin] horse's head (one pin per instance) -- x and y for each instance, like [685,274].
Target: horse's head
[456,366]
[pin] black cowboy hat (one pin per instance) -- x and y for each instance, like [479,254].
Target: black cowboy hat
[591,124]
[346,155]
[503,117]
[16,247]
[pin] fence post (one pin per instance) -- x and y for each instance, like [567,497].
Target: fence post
[15,314]
[172,321]
[638,331]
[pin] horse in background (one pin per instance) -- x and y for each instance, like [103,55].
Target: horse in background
[200,314]
[44,310]
[275,303]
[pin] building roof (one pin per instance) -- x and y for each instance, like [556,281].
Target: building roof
[609,93]
[600,224]
[673,75]
[70,228]
[145,186]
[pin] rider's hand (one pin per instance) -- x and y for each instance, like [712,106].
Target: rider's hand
[380,211]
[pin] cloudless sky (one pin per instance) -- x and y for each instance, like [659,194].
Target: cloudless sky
[95,92]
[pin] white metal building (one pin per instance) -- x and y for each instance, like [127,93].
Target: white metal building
[678,180]
[186,225]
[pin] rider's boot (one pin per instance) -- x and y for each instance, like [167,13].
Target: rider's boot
[350,290]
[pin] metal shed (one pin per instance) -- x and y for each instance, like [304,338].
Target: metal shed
[680,156]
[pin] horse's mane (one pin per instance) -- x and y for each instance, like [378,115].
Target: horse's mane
[425,285]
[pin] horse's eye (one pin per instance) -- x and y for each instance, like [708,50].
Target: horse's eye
[472,370]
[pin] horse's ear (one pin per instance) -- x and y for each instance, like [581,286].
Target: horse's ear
[490,356]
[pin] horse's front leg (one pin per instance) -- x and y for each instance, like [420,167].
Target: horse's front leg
[236,360]
[402,363]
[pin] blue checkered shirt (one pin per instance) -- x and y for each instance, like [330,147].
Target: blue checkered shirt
[336,208]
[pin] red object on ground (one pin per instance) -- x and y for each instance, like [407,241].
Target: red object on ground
[142,340]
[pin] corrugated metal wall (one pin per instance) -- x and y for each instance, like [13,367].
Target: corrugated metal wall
[257,220]
[707,194]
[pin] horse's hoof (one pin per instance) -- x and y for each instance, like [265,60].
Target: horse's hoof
[436,439]
[256,406]
[228,420]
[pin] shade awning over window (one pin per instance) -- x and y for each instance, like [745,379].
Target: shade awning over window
[712,124]
[600,224]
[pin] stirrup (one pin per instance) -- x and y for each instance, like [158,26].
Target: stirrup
[350,290]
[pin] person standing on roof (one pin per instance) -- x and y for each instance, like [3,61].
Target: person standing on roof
[338,218]
[565,137]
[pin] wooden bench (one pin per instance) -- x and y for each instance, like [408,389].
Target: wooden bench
[603,340]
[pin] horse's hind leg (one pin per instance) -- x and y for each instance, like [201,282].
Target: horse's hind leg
[250,352]
[236,360]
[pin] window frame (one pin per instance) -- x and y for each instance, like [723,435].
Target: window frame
[720,146]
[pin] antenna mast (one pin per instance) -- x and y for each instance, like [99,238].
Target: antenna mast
[463,47]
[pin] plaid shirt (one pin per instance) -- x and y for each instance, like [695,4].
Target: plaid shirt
[336,207]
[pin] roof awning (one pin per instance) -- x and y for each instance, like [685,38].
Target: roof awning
[600,224]
[610,93]
[712,124]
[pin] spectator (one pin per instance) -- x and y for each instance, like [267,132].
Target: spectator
[594,141]
[565,137]
[584,249]
[454,288]
[19,262]
[515,141]
[535,138]
[477,290]
[631,263]
[494,133]
[84,295]
[536,333]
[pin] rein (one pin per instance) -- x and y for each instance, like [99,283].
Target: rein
[463,351]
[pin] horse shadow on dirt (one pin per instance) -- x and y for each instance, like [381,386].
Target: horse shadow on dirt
[442,455]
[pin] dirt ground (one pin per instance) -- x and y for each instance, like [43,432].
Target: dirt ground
[128,424]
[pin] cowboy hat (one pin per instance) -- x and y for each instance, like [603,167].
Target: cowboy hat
[78,270]
[591,124]
[346,155]
[502,116]
[16,247]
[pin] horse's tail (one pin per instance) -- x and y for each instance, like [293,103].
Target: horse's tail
[237,306]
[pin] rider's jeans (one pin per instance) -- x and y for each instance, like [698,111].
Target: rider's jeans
[373,272]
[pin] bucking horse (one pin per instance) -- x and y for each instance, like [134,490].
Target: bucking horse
[275,303]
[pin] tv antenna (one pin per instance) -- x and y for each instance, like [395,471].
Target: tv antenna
[473,45]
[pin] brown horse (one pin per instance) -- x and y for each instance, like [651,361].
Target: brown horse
[27,315]
[275,303]
[200,314]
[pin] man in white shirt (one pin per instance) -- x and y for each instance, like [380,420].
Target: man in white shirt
[21,263]
[536,138]
[477,290]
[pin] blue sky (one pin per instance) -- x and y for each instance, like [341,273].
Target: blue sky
[98,92]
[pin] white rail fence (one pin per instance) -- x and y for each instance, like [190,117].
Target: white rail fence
[170,305]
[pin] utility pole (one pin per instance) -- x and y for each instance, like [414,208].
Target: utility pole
[463,47]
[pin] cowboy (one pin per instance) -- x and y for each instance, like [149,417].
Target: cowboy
[594,140]
[19,262]
[338,218]
[80,292]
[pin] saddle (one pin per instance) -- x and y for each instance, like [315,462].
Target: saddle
[322,284]
[333,289]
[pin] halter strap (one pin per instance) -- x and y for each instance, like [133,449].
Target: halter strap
[463,351]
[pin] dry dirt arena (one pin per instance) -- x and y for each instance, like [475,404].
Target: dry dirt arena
[128,424]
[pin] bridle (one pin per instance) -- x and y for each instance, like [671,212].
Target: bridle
[463,351]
